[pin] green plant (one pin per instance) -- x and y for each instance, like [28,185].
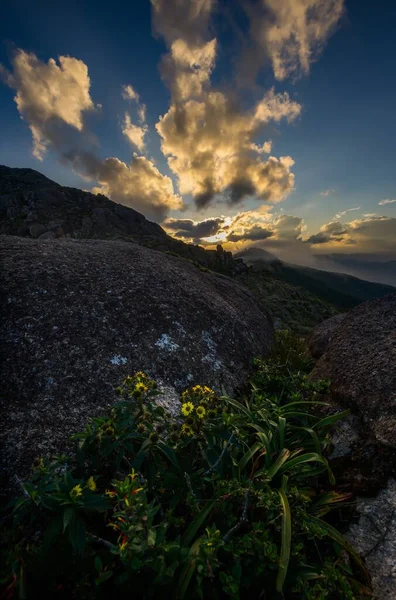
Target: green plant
[230,500]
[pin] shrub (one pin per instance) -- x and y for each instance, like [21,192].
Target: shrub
[232,500]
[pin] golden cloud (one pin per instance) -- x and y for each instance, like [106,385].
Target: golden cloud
[49,95]
[292,33]
[134,133]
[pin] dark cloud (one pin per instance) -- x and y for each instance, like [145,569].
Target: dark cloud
[330,232]
[254,233]
[187,228]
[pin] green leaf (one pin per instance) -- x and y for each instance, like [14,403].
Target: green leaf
[151,537]
[237,405]
[314,436]
[249,454]
[197,523]
[303,458]
[282,458]
[98,563]
[169,453]
[68,517]
[282,430]
[96,502]
[340,539]
[188,570]
[332,419]
[286,541]
[77,536]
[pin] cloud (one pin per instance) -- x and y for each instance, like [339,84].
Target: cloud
[128,93]
[264,149]
[53,99]
[327,192]
[208,142]
[187,68]
[49,96]
[139,185]
[254,234]
[374,234]
[371,233]
[174,19]
[195,230]
[344,212]
[384,202]
[330,232]
[134,133]
[291,33]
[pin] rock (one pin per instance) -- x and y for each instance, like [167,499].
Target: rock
[36,230]
[78,315]
[321,335]
[48,235]
[360,361]
[374,536]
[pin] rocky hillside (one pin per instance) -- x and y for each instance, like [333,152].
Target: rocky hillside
[31,205]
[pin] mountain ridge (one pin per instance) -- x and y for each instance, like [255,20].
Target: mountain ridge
[34,206]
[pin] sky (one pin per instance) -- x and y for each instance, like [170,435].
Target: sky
[240,122]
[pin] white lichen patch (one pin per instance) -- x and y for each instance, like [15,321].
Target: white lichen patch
[211,357]
[165,342]
[118,360]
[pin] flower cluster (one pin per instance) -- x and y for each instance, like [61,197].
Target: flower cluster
[138,386]
[131,509]
[198,404]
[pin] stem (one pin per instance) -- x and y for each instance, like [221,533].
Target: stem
[218,461]
[242,520]
[22,486]
[100,541]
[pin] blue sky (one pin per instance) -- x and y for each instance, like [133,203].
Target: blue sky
[342,141]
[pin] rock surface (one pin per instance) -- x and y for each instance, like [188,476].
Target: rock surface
[78,315]
[322,334]
[374,536]
[360,361]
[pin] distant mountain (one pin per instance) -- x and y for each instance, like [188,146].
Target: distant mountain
[361,265]
[341,290]
[255,254]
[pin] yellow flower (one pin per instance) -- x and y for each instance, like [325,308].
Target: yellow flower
[123,545]
[140,387]
[186,429]
[91,484]
[200,412]
[76,492]
[132,475]
[110,493]
[140,375]
[187,408]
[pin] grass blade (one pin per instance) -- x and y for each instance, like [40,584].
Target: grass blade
[249,454]
[332,419]
[340,539]
[282,458]
[286,541]
[197,523]
[237,405]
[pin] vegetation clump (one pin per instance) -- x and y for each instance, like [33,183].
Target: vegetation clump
[231,500]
